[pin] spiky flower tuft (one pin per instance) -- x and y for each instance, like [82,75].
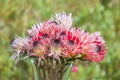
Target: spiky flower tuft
[56,38]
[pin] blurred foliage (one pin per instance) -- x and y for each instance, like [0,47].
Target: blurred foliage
[16,16]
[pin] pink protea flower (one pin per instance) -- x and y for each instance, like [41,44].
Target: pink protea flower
[17,46]
[94,48]
[56,38]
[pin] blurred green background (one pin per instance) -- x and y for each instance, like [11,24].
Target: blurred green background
[16,16]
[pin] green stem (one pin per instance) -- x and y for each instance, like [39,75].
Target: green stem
[36,77]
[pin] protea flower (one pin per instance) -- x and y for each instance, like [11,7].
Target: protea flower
[56,38]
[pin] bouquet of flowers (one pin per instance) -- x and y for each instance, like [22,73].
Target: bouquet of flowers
[54,45]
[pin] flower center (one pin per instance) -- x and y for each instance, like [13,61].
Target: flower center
[62,33]
[57,42]
[45,35]
[35,43]
[98,49]
[71,42]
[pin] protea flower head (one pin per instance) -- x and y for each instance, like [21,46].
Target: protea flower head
[57,38]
